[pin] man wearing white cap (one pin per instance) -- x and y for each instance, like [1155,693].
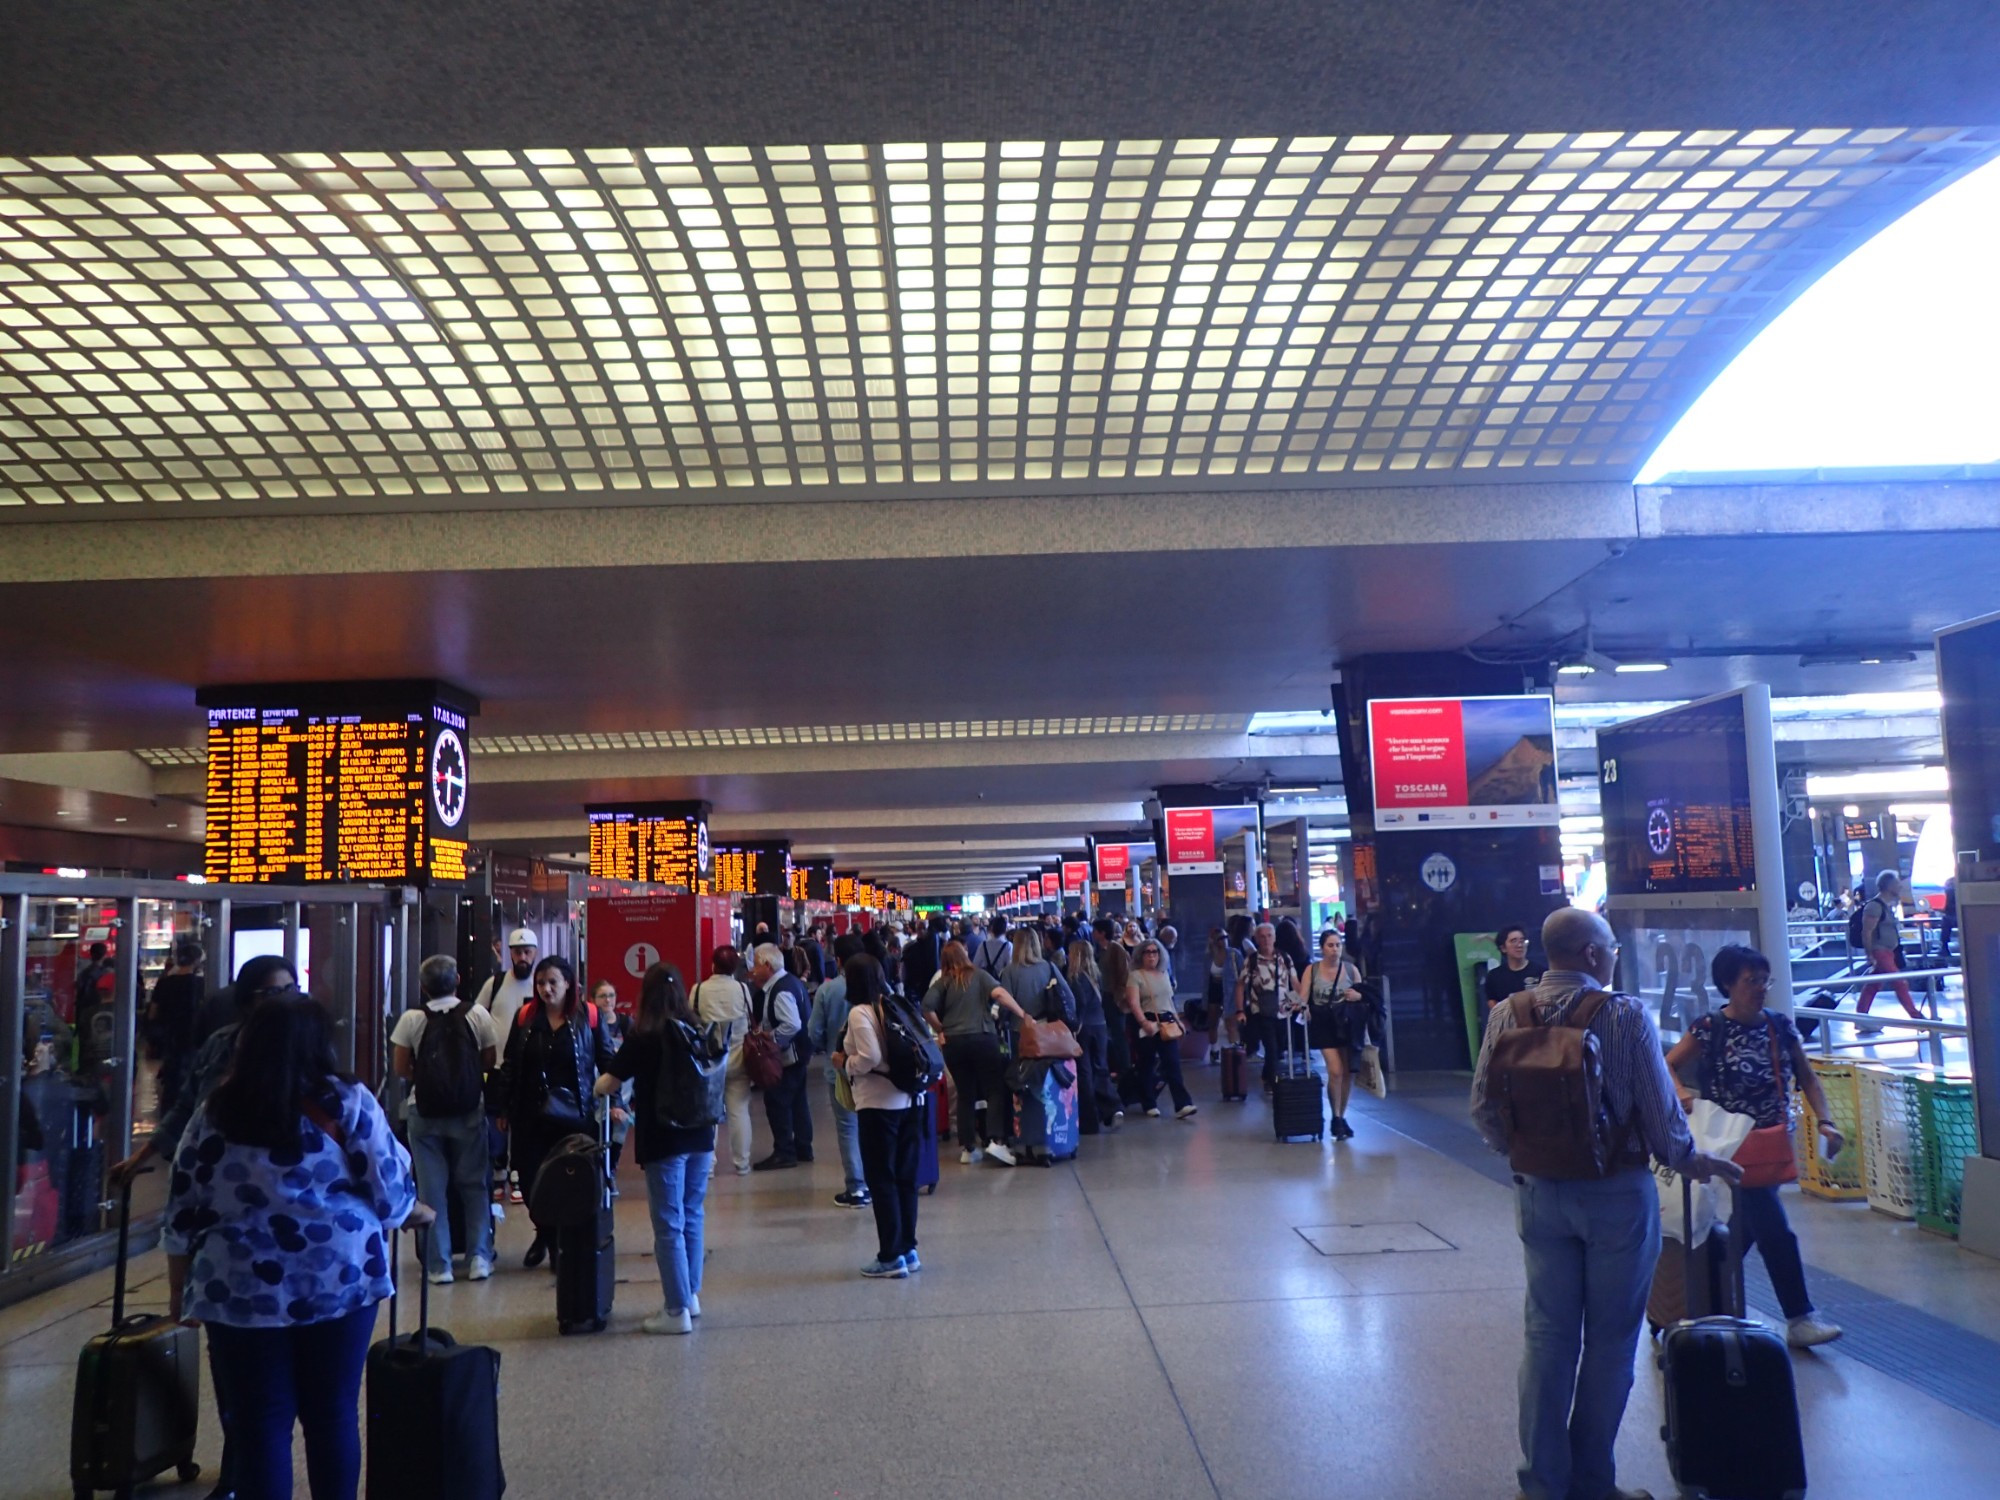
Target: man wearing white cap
[505,992]
[503,996]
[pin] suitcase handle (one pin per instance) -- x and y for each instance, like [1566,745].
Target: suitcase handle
[124,1248]
[422,1234]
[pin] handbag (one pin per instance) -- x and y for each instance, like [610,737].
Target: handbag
[843,1090]
[562,1109]
[763,1064]
[1766,1155]
[1048,1041]
[1171,1029]
[1368,1072]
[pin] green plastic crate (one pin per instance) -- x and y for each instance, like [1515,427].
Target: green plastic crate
[1946,1128]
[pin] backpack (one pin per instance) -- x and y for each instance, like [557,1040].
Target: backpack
[449,1071]
[913,1060]
[1857,922]
[1548,1084]
[688,1093]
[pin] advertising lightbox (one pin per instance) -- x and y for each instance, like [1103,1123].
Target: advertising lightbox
[1463,762]
[1196,836]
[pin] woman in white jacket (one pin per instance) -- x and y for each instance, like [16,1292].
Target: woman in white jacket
[724,999]
[891,1132]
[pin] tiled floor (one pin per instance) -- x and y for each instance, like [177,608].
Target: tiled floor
[1148,1323]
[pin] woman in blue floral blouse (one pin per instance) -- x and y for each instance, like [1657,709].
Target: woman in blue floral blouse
[285,1188]
[1748,1060]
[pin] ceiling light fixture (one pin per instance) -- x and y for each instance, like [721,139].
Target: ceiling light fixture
[1856,658]
[1644,664]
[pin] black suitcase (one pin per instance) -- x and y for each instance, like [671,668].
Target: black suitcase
[1296,1094]
[1732,1427]
[586,1252]
[570,1183]
[1233,1074]
[138,1394]
[433,1407]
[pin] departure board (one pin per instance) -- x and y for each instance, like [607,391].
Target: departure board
[312,783]
[800,882]
[846,888]
[818,880]
[660,843]
[1675,790]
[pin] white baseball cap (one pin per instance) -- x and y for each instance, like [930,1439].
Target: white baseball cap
[521,937]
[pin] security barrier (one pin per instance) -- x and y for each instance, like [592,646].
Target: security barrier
[1948,1134]
[1841,1179]
[1892,1148]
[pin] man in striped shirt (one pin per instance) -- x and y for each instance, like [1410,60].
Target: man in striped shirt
[1590,1244]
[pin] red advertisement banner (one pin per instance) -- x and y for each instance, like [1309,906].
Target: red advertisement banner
[1114,863]
[1074,873]
[1190,838]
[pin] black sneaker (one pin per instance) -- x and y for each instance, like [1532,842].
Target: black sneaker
[851,1200]
[774,1163]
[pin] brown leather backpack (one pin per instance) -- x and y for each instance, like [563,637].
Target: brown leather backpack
[1548,1084]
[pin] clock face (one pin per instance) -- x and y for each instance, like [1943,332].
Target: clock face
[448,777]
[1659,831]
[704,855]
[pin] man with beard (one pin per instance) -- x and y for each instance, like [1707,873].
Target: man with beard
[502,996]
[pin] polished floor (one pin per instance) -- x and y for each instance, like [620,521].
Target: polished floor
[1189,1310]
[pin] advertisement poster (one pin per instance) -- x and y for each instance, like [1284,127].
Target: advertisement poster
[1196,836]
[1463,762]
[1074,873]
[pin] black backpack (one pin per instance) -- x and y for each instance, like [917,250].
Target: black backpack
[688,1093]
[914,1061]
[1857,921]
[449,1072]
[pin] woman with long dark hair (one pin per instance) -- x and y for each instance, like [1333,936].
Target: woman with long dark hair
[285,1187]
[551,1065]
[961,1000]
[890,1128]
[1336,1022]
[677,1159]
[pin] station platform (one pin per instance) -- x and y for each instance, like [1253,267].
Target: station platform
[1189,1311]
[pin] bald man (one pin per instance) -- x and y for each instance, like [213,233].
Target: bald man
[1590,1244]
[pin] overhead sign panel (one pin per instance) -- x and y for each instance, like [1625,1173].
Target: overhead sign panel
[320,782]
[1196,836]
[662,843]
[1675,790]
[1463,762]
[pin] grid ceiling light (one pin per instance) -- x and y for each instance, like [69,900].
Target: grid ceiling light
[816,734]
[403,327]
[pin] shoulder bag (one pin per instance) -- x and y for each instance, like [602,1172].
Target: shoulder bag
[763,1060]
[1049,1041]
[1766,1155]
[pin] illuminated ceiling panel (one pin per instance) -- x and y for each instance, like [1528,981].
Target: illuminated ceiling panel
[307,331]
[816,734]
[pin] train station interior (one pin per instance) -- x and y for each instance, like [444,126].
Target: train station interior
[614,481]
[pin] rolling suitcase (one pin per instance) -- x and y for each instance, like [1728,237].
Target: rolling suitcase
[433,1408]
[138,1391]
[586,1252]
[1233,1072]
[1056,1126]
[1296,1094]
[1732,1427]
[927,1144]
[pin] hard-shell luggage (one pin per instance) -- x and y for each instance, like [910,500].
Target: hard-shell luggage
[927,1143]
[1296,1093]
[1674,1299]
[138,1391]
[1233,1074]
[586,1251]
[1732,1427]
[433,1410]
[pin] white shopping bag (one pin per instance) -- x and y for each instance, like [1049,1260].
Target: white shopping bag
[1717,1132]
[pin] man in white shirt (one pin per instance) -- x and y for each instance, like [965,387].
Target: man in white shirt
[448,1134]
[503,995]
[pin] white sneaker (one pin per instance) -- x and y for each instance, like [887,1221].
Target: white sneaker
[694,1304]
[499,1212]
[1807,1332]
[743,1170]
[967,1158]
[1000,1154]
[1152,1114]
[439,1278]
[478,1268]
[669,1320]
[1185,1111]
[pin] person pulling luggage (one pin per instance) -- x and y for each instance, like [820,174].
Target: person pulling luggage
[551,1063]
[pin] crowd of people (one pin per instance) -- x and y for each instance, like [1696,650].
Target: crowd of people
[289,1177]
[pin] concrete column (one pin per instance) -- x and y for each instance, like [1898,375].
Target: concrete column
[1495,876]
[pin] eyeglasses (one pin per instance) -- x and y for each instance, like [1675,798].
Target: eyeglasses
[275,991]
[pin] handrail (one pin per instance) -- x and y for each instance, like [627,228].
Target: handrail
[1884,978]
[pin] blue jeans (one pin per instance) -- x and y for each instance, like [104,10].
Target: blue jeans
[676,1187]
[1590,1249]
[1762,1223]
[848,1132]
[450,1156]
[309,1374]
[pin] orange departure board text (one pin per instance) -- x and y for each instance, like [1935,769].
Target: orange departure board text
[800,878]
[657,843]
[297,794]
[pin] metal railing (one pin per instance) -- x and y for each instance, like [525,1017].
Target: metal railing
[1932,1029]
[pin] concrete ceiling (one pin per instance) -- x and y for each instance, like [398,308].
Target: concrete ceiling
[1098,364]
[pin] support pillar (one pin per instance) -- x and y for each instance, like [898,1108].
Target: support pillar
[1418,889]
